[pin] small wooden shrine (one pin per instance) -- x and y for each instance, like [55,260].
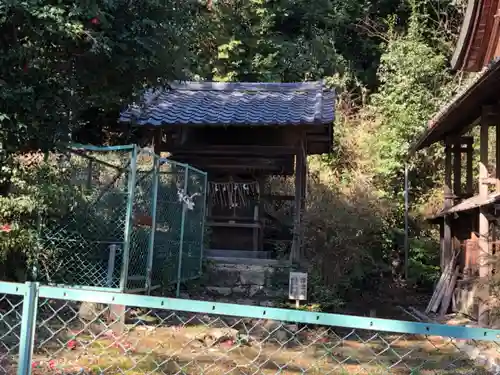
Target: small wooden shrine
[241,134]
[470,218]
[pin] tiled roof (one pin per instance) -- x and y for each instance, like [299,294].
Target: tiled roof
[216,103]
[453,113]
[469,204]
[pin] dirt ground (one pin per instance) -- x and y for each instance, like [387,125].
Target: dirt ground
[207,345]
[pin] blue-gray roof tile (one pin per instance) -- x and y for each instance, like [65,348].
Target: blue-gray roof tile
[216,103]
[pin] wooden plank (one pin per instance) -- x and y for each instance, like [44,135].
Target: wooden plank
[233,225]
[445,304]
[447,276]
[437,289]
[440,295]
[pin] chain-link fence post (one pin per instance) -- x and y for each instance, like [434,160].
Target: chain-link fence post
[183,224]
[28,323]
[203,218]
[129,219]
[154,197]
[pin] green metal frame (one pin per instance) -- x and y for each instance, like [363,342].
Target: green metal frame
[181,242]
[127,248]
[149,271]
[32,292]
[128,219]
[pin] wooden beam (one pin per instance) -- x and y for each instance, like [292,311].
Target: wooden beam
[243,167]
[282,164]
[276,197]
[234,150]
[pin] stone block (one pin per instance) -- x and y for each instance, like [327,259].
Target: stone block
[253,277]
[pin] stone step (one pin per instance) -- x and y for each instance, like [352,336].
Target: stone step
[249,261]
[251,291]
[216,253]
[245,276]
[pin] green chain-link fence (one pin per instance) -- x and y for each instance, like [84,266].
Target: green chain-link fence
[87,219]
[124,219]
[47,330]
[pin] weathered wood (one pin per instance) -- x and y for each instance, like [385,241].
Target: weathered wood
[447,241]
[483,219]
[262,188]
[299,180]
[469,183]
[448,192]
[445,304]
[497,157]
[255,234]
[448,203]
[233,225]
[457,170]
[225,150]
[442,290]
[439,291]
[157,141]
[483,163]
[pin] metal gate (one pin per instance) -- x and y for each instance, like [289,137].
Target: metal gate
[126,220]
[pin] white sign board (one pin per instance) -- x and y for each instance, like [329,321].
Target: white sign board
[297,286]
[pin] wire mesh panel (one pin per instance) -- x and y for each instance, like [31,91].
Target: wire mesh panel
[11,307]
[117,218]
[83,234]
[168,336]
[168,234]
[143,223]
[195,204]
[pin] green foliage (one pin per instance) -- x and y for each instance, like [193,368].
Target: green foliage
[263,40]
[62,66]
[54,219]
[59,60]
[414,79]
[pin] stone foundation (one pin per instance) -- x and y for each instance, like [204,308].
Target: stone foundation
[244,284]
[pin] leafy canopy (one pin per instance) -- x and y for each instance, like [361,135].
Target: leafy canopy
[59,60]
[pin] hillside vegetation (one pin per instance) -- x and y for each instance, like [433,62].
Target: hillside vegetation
[61,78]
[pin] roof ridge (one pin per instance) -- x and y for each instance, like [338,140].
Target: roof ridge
[248,86]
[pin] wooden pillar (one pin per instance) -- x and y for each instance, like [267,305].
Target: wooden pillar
[497,157]
[303,192]
[457,169]
[262,187]
[299,199]
[469,183]
[157,141]
[448,203]
[483,314]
